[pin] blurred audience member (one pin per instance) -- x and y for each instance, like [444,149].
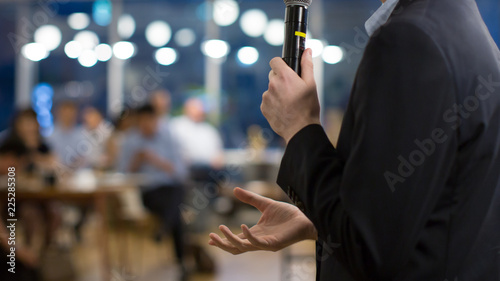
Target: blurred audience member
[36,160]
[12,154]
[154,153]
[201,143]
[96,133]
[123,124]
[162,103]
[25,130]
[67,135]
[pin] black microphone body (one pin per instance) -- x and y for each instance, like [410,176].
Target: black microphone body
[295,33]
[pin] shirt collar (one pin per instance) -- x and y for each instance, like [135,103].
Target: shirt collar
[380,16]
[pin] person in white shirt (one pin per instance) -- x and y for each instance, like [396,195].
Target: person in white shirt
[201,143]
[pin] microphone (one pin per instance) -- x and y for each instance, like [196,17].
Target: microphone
[295,32]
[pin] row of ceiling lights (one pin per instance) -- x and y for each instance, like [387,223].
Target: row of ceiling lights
[86,49]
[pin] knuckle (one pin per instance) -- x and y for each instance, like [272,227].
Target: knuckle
[270,85]
[267,98]
[263,104]
[263,110]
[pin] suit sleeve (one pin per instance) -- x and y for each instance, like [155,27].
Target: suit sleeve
[373,202]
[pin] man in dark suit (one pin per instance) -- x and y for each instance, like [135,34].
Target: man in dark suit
[412,190]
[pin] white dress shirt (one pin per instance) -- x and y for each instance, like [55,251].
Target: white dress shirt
[380,16]
[200,141]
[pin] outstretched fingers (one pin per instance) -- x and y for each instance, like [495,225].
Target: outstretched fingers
[217,241]
[241,235]
[256,241]
[241,244]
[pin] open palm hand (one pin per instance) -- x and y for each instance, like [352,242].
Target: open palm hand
[280,225]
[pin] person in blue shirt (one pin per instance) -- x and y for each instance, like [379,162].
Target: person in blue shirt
[67,135]
[152,151]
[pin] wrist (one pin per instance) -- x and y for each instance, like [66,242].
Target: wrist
[300,125]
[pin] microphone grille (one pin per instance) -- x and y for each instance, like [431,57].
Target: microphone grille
[298,2]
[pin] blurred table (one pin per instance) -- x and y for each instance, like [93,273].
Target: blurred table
[96,194]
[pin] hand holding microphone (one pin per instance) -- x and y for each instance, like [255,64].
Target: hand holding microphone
[291,102]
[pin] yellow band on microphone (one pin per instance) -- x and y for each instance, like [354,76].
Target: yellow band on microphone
[301,34]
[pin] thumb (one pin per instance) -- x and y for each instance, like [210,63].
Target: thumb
[307,72]
[259,202]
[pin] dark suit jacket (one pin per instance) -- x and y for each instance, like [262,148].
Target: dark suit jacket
[412,191]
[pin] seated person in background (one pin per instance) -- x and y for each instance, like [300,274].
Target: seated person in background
[66,136]
[123,125]
[202,145]
[96,131]
[25,130]
[154,153]
[34,160]
[12,154]
[161,101]
[91,147]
